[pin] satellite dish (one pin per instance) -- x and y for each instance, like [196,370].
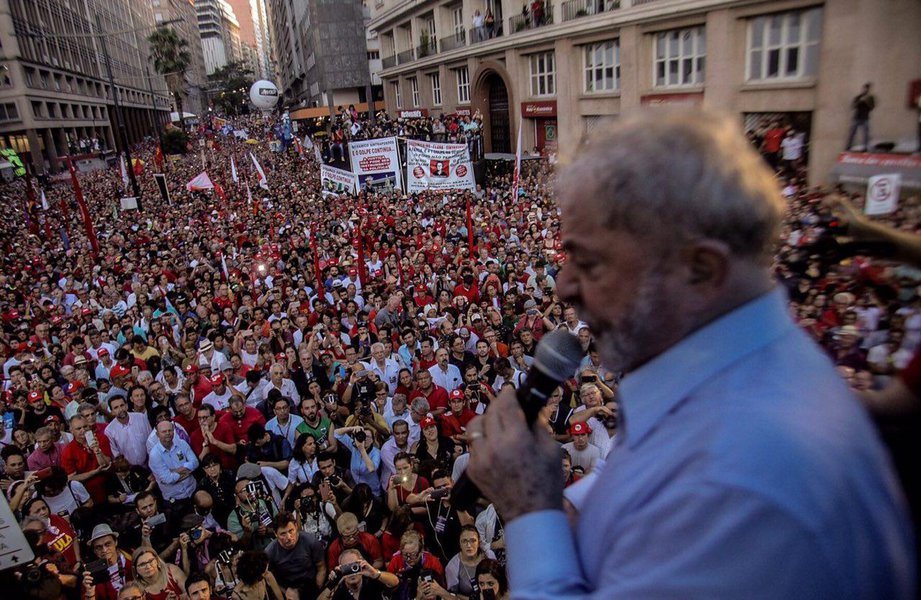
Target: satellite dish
[264,95]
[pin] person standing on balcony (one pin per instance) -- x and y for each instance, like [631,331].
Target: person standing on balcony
[478,26]
[490,21]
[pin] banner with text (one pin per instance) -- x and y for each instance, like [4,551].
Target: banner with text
[335,181]
[434,166]
[883,194]
[376,163]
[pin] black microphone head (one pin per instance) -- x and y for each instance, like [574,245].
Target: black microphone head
[558,355]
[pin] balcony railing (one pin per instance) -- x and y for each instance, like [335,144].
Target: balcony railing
[452,42]
[481,34]
[405,57]
[574,9]
[389,61]
[531,19]
[424,50]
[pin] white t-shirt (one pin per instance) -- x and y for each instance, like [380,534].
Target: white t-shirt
[70,499]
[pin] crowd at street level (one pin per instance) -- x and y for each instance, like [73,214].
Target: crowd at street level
[222,364]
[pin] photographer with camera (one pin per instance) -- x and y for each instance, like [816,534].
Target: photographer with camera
[415,567]
[355,579]
[443,521]
[365,458]
[350,537]
[476,390]
[251,519]
[365,415]
[339,482]
[296,557]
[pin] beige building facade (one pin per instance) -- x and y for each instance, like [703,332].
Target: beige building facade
[54,89]
[563,68]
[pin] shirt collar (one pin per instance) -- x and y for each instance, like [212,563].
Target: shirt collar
[652,391]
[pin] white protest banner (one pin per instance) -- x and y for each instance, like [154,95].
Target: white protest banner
[883,194]
[435,166]
[376,163]
[14,548]
[200,182]
[335,181]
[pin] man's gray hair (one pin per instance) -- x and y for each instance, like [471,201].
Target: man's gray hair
[677,176]
[420,405]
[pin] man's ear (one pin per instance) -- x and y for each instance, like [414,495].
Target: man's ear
[707,264]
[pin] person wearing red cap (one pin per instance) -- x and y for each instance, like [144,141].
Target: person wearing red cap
[454,422]
[432,450]
[582,453]
[196,384]
[39,410]
[221,393]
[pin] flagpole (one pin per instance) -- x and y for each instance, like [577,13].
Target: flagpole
[84,209]
[469,227]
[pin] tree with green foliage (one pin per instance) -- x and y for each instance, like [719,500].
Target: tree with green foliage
[171,57]
[231,84]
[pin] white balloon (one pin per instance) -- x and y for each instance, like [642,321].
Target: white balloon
[264,95]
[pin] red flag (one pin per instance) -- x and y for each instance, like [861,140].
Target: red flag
[158,158]
[469,227]
[31,217]
[84,209]
[316,265]
[362,267]
[138,165]
[220,192]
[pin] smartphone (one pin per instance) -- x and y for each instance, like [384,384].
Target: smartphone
[100,572]
[90,438]
[342,371]
[157,519]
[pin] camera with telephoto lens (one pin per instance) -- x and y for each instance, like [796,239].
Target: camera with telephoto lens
[360,436]
[440,493]
[334,479]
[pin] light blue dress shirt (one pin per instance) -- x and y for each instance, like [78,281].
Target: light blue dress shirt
[743,468]
[359,469]
[162,463]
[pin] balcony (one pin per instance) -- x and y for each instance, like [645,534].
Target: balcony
[531,19]
[405,56]
[424,50]
[452,42]
[475,36]
[574,9]
[389,62]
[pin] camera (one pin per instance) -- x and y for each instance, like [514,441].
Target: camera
[360,436]
[350,568]
[334,479]
[474,387]
[440,493]
[196,533]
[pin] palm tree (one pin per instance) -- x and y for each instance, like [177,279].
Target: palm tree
[170,55]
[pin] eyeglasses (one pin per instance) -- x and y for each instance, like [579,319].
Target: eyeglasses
[470,542]
[147,563]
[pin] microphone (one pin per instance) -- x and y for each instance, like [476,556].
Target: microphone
[557,357]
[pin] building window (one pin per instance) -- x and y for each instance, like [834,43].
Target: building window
[784,46]
[436,88]
[397,96]
[680,57]
[372,55]
[414,90]
[543,74]
[458,19]
[463,85]
[602,66]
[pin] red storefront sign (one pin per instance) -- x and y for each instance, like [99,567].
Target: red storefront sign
[538,110]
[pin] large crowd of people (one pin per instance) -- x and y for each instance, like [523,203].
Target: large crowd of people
[224,402]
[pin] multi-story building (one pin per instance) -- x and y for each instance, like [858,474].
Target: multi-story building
[564,68]
[184,19]
[320,51]
[254,32]
[54,87]
[220,34]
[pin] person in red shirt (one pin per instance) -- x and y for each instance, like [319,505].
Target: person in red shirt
[412,556]
[87,462]
[454,422]
[351,538]
[426,354]
[239,417]
[197,385]
[436,395]
[771,144]
[214,437]
[185,414]
[468,289]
